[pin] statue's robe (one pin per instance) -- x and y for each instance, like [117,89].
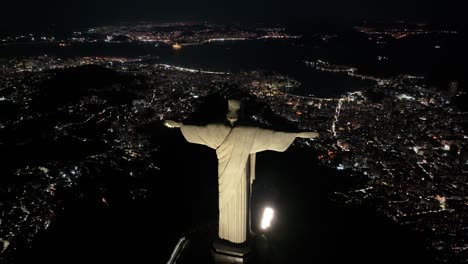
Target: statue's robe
[235,149]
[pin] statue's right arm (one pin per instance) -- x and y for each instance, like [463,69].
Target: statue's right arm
[308,135]
[172,124]
[211,135]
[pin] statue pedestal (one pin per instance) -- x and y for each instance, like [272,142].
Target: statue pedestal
[227,252]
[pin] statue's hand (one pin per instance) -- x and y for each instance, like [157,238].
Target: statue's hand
[172,124]
[308,135]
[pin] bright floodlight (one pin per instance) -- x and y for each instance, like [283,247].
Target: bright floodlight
[266,218]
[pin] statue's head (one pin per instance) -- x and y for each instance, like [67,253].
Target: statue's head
[233,111]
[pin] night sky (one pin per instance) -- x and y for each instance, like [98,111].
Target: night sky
[28,14]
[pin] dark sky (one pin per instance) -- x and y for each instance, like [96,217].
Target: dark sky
[23,13]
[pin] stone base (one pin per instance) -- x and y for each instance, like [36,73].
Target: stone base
[227,252]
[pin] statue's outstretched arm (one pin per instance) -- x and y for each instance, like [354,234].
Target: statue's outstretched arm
[308,135]
[276,140]
[211,135]
[172,124]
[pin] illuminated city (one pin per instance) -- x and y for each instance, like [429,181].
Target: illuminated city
[83,140]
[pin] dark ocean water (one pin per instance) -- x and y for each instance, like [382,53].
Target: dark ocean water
[232,56]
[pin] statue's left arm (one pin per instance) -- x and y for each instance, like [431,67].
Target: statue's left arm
[276,140]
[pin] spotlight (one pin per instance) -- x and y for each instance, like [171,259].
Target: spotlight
[268,215]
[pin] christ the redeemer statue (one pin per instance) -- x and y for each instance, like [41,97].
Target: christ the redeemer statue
[235,148]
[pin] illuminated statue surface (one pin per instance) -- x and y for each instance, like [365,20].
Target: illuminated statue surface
[235,148]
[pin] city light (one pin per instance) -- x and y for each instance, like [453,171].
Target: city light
[177,46]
